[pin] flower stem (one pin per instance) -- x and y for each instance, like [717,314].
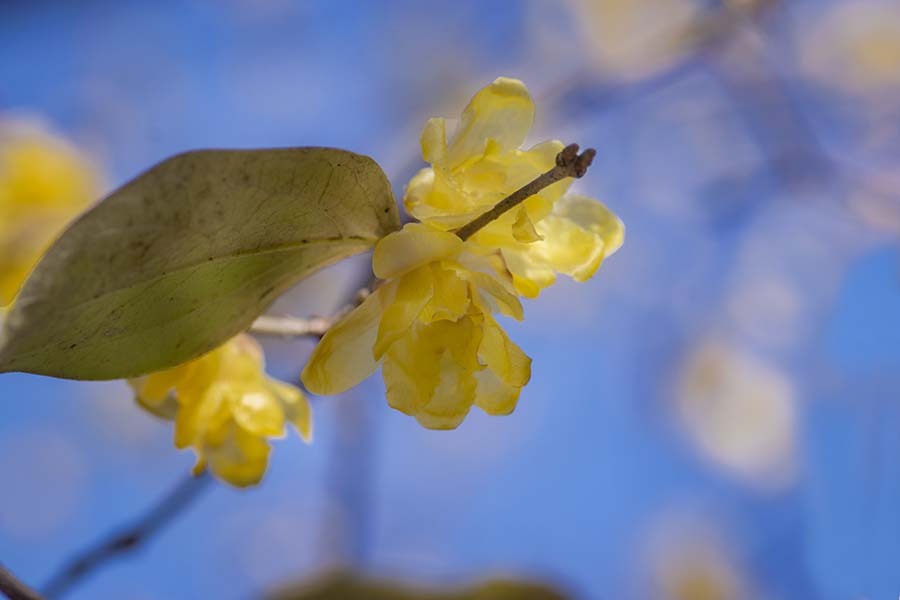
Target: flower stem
[569,163]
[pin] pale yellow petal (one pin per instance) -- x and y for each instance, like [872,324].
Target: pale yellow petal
[201,415]
[452,397]
[295,406]
[523,229]
[530,273]
[502,356]
[454,392]
[155,388]
[501,112]
[593,215]
[165,408]
[494,294]
[429,374]
[567,248]
[241,459]
[414,292]
[450,299]
[410,372]
[434,140]
[494,396]
[258,411]
[413,246]
[344,356]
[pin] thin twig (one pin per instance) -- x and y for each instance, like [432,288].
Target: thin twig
[128,538]
[291,326]
[568,164]
[14,589]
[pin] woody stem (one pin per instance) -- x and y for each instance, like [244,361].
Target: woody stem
[569,163]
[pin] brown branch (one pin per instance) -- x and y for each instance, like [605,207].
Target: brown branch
[127,538]
[14,589]
[568,164]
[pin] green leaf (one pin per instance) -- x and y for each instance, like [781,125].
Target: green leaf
[187,255]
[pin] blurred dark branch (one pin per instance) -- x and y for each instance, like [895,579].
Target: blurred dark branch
[12,588]
[128,538]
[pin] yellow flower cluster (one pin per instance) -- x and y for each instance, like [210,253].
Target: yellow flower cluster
[44,182]
[430,324]
[225,407]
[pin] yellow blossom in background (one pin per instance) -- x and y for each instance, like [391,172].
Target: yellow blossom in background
[431,327]
[225,407]
[740,414]
[431,324]
[632,39]
[481,164]
[44,183]
[855,47]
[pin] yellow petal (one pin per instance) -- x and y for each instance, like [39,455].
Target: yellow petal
[501,112]
[295,406]
[494,396]
[454,392]
[344,355]
[413,246]
[508,371]
[429,374]
[523,229]
[258,411]
[410,372]
[241,459]
[593,215]
[452,397]
[413,291]
[492,295]
[529,270]
[434,140]
[450,299]
[502,356]
[197,416]
[153,389]
[165,408]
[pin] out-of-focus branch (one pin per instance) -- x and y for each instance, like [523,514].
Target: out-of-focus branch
[128,538]
[14,589]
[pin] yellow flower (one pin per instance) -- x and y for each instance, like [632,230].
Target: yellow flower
[44,182]
[430,325]
[482,164]
[225,407]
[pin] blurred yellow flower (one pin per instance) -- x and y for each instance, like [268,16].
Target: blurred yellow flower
[225,407]
[632,39]
[482,164]
[44,183]
[431,327]
[855,47]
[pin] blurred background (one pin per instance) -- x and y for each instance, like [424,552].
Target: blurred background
[714,416]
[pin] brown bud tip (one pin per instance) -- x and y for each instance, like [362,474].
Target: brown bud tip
[584,161]
[567,156]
